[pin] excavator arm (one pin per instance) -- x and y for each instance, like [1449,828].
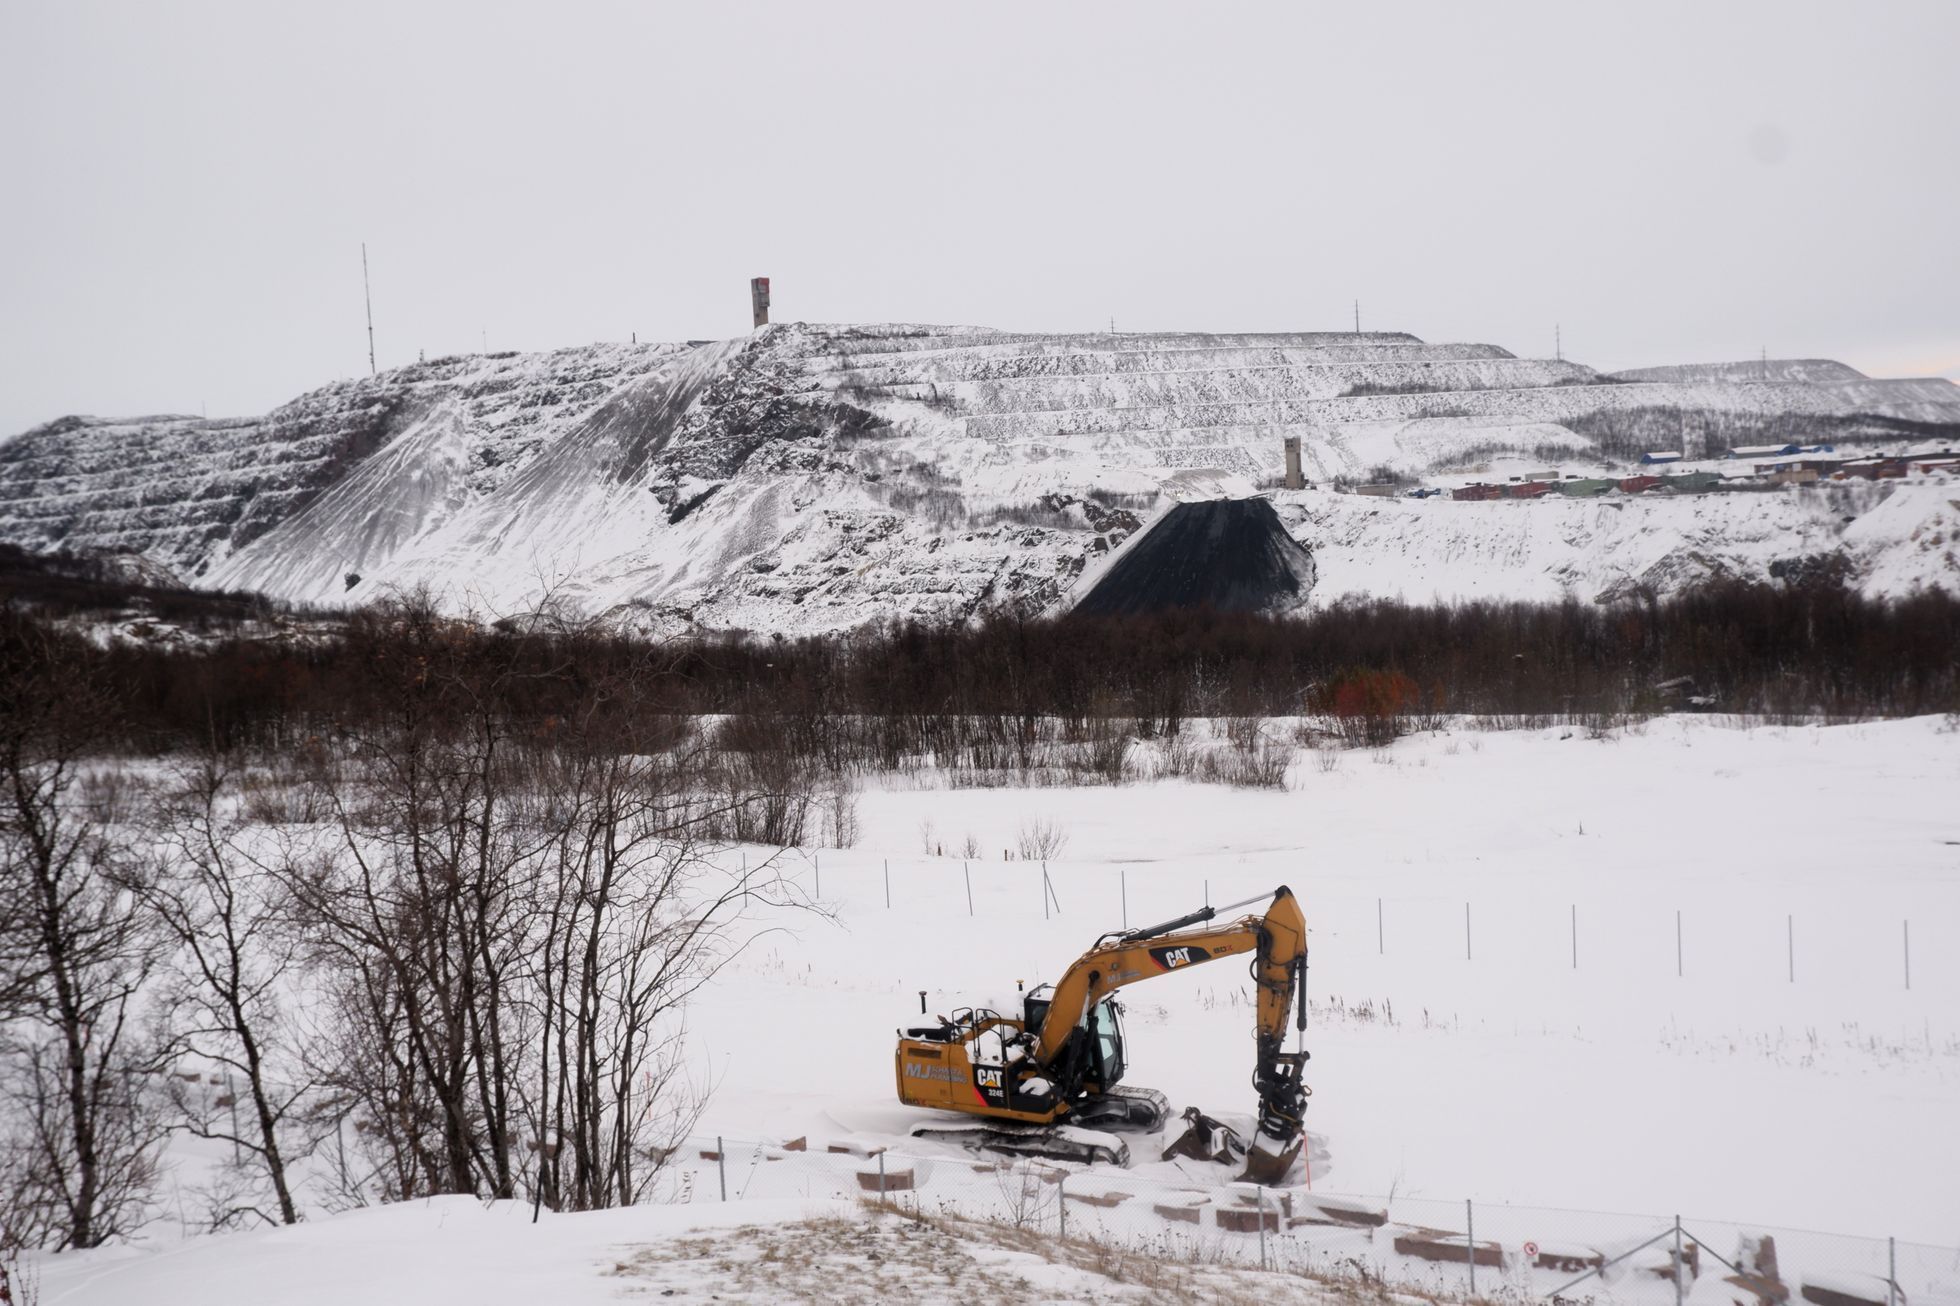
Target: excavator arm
[1279,938]
[1278,942]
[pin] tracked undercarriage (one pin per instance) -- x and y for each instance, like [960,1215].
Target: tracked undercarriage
[1089,1136]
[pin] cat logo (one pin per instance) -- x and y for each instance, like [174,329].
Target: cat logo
[1173,958]
[986,1078]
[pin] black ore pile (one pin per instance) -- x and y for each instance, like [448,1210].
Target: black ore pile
[1231,555]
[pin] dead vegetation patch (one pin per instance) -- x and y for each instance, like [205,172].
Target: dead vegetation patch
[893,1255]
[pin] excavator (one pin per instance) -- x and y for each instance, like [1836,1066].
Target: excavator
[1046,1080]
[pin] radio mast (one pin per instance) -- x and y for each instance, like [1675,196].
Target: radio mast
[368,294]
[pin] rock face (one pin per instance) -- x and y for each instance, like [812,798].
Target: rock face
[1232,555]
[817,478]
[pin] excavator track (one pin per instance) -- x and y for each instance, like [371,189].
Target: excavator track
[1049,1142]
[1086,1138]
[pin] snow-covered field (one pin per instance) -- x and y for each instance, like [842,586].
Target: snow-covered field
[1784,1076]
[1828,1102]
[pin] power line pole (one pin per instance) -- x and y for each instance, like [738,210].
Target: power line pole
[368,294]
[1357,317]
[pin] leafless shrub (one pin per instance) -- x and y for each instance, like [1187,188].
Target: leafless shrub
[1041,839]
[840,814]
[20,1282]
[1180,754]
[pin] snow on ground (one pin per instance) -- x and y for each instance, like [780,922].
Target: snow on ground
[1497,1015]
[456,1251]
[1731,1090]
[1441,550]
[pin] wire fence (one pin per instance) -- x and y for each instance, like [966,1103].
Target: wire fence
[1721,942]
[1443,1249]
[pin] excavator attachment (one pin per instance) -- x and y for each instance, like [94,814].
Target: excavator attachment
[1268,1160]
[1207,1139]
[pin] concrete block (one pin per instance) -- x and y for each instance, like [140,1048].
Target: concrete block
[894,1181]
[1447,1248]
[1247,1219]
[1309,1209]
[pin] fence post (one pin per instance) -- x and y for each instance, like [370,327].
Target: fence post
[888,883]
[721,1166]
[1470,1241]
[1262,1226]
[1891,1271]
[1680,1266]
[881,1174]
[967,871]
[1061,1205]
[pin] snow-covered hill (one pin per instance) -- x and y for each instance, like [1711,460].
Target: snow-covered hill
[814,478]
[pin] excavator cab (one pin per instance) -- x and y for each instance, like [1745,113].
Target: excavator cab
[1104,1058]
[1106,1044]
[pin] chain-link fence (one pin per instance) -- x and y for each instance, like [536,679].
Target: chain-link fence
[1443,1249]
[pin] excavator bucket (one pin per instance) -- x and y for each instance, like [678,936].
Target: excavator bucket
[1206,1139]
[1267,1160]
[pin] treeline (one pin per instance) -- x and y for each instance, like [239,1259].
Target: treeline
[1809,647]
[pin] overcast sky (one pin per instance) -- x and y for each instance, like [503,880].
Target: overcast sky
[187,186]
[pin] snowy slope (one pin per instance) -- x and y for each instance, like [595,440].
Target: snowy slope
[813,478]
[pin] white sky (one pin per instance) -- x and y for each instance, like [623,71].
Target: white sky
[186,186]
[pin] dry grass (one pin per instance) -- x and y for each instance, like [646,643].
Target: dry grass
[892,1255]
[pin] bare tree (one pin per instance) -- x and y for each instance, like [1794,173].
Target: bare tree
[217,905]
[79,951]
[641,916]
[421,906]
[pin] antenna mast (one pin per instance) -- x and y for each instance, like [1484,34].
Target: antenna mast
[368,294]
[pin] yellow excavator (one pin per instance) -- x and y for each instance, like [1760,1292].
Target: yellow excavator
[1047,1080]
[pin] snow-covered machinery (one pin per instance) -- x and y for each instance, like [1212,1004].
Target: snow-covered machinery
[1046,1080]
